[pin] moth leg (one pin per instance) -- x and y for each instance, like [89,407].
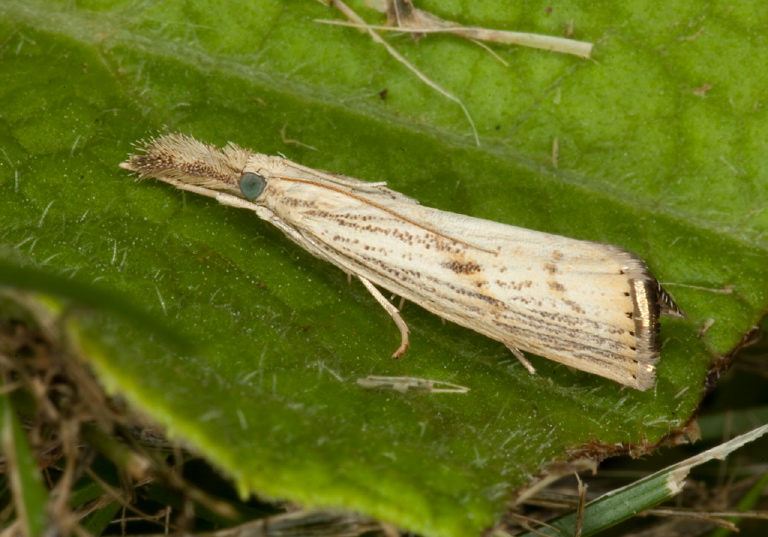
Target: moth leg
[387,305]
[523,360]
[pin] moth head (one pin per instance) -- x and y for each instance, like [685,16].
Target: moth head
[179,158]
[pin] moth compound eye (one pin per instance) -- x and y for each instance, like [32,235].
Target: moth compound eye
[252,185]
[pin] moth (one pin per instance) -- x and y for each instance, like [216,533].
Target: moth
[588,305]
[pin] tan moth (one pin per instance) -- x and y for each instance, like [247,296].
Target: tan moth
[588,305]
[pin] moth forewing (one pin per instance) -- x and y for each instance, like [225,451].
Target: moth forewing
[588,305]
[567,300]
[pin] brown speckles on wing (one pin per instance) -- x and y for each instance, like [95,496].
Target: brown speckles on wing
[462,267]
[567,300]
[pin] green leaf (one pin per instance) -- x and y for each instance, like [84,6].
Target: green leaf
[662,142]
[29,495]
[14,273]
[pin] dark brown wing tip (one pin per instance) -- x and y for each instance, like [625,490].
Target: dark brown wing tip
[646,316]
[650,301]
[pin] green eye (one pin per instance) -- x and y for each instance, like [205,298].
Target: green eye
[251,185]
